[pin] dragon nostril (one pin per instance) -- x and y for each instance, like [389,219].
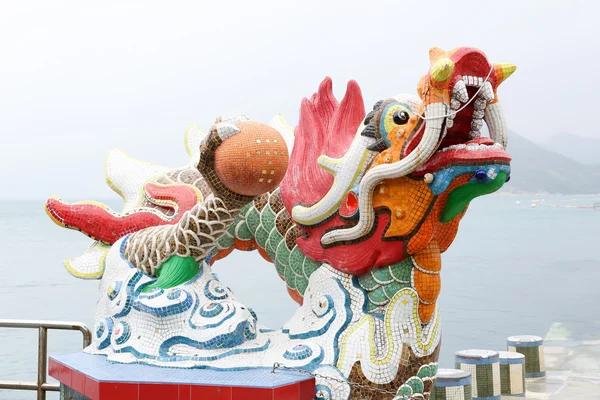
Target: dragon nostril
[507,178]
[480,175]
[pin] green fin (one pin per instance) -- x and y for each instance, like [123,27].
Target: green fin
[173,272]
[460,197]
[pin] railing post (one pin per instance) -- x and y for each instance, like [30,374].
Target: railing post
[87,336]
[42,360]
[41,386]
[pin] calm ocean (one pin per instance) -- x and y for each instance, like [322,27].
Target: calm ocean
[513,269]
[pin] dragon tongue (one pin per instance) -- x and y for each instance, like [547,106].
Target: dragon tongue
[482,140]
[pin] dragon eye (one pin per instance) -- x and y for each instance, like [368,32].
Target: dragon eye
[401,117]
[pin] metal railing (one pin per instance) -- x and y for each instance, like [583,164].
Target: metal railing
[42,386]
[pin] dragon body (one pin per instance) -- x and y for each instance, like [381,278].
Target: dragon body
[356,229]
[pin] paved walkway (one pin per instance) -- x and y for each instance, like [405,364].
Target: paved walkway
[573,368]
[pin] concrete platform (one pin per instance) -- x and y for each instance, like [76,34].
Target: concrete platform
[572,365]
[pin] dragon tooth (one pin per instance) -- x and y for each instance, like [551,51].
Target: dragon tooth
[479,104]
[478,114]
[472,147]
[487,92]
[460,91]
[474,134]
[454,103]
[450,121]
[476,124]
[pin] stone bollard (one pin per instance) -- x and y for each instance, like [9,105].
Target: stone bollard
[452,384]
[485,372]
[532,347]
[512,374]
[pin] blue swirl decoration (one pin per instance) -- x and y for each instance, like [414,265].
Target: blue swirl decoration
[114,289]
[182,302]
[174,294]
[122,332]
[253,314]
[131,292]
[155,292]
[214,290]
[324,307]
[250,330]
[323,392]
[211,310]
[298,352]
[223,341]
[103,330]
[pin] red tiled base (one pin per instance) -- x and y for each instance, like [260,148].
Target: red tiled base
[185,392]
[241,393]
[78,381]
[118,391]
[95,390]
[290,392]
[210,392]
[307,390]
[158,392]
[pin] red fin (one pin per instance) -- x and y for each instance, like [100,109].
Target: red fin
[101,223]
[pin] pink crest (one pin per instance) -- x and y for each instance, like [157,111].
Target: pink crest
[325,127]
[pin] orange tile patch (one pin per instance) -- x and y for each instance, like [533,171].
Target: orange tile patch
[407,199]
[427,279]
[415,215]
[297,297]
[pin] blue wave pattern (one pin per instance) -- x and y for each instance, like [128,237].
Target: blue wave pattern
[113,290]
[326,310]
[103,332]
[200,324]
[177,301]
[122,333]
[198,316]
[298,352]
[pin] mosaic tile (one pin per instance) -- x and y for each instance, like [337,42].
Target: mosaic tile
[354,210]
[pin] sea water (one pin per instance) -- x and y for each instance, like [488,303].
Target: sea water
[513,269]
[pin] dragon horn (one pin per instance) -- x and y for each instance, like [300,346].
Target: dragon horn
[435,53]
[503,71]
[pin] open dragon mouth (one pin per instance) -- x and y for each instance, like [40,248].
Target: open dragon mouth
[473,103]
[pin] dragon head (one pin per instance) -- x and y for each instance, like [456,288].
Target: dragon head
[410,170]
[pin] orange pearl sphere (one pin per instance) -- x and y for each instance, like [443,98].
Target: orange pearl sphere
[253,161]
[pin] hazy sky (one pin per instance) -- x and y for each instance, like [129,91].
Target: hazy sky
[78,79]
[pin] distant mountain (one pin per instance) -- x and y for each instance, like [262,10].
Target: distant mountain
[536,169]
[583,149]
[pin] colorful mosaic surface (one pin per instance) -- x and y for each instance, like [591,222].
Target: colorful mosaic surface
[353,209]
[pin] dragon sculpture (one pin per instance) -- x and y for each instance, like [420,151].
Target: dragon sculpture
[355,226]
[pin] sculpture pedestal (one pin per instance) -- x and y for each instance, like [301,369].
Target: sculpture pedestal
[85,376]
